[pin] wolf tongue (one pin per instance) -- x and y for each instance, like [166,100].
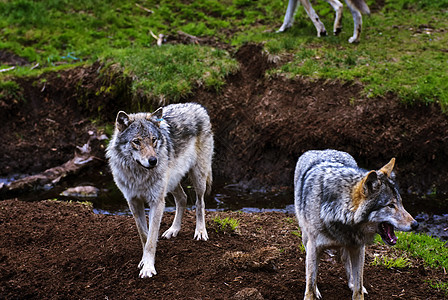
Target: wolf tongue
[389,231]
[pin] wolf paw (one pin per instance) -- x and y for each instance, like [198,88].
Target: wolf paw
[351,286]
[147,270]
[353,39]
[171,232]
[201,234]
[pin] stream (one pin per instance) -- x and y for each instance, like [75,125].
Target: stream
[431,211]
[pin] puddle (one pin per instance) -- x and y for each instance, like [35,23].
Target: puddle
[431,211]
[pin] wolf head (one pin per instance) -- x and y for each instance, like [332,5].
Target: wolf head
[376,200]
[138,137]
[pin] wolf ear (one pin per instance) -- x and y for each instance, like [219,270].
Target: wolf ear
[122,121]
[387,169]
[156,116]
[370,183]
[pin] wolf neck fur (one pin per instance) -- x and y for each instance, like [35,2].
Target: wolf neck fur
[358,196]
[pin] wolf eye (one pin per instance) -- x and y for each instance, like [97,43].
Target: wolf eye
[136,142]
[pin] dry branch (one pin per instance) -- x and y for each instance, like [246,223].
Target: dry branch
[81,159]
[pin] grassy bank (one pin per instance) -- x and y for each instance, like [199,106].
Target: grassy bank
[403,47]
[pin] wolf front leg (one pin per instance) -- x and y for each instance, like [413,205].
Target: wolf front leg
[181,202]
[311,266]
[320,27]
[338,7]
[149,252]
[137,207]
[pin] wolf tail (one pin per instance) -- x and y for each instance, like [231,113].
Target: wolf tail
[361,5]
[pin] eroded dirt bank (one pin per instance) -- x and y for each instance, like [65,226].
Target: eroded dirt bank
[261,125]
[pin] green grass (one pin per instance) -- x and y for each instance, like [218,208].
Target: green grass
[171,71]
[403,46]
[225,225]
[432,250]
[390,262]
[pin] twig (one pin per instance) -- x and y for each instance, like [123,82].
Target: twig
[8,69]
[192,38]
[144,8]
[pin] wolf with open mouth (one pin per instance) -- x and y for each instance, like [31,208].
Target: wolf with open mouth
[339,205]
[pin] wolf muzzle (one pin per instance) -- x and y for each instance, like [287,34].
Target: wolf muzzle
[150,163]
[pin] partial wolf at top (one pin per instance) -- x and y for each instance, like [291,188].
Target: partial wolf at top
[357,8]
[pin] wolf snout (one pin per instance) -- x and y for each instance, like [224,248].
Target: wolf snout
[152,161]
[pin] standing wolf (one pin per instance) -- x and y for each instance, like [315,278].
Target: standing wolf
[357,7]
[339,205]
[149,154]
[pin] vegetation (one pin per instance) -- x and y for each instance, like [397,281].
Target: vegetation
[431,250]
[389,262]
[226,225]
[403,47]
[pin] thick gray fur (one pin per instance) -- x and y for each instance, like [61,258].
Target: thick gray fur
[339,205]
[149,154]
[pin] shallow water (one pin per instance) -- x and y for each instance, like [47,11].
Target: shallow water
[431,211]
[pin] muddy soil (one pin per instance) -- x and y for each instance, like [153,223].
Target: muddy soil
[261,126]
[58,250]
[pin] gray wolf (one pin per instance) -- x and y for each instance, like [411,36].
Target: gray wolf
[357,7]
[149,154]
[341,206]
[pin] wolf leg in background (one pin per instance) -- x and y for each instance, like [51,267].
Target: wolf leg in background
[357,7]
[149,154]
[339,205]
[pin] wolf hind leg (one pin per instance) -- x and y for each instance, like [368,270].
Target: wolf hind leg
[181,203]
[338,7]
[289,16]
[313,255]
[354,266]
[199,181]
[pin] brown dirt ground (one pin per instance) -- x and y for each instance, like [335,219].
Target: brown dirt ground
[54,250]
[59,250]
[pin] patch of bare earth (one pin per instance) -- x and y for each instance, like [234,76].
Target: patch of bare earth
[56,250]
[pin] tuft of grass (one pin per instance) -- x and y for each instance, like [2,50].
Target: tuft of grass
[391,263]
[439,285]
[9,89]
[226,225]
